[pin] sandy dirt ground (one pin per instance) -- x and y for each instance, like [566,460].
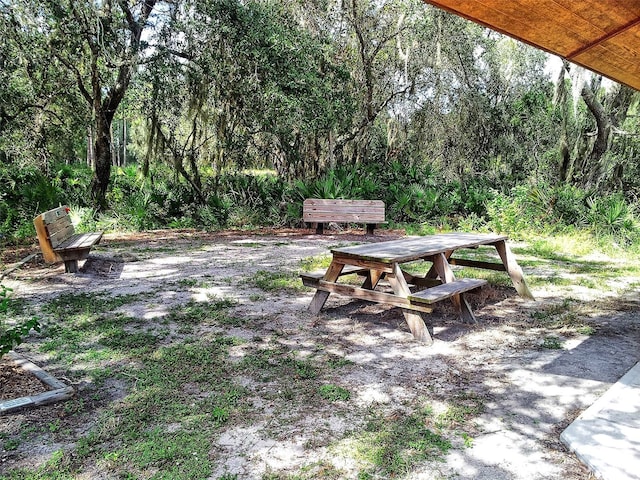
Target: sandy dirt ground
[531,393]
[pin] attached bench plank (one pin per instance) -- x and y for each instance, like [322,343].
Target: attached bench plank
[446,290]
[478,264]
[79,241]
[311,279]
[371,295]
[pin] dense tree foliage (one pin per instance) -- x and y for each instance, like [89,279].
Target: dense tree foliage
[381,99]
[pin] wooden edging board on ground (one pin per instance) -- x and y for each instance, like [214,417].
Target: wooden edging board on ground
[60,390]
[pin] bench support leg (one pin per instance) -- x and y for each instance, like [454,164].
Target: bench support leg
[419,329]
[320,297]
[319,228]
[370,227]
[445,273]
[70,266]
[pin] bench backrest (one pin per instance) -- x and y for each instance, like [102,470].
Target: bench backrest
[53,228]
[339,210]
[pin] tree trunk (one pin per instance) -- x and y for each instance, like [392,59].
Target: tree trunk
[601,144]
[91,156]
[560,103]
[103,156]
[123,156]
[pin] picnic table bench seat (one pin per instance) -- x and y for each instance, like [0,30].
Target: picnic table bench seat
[446,290]
[319,211]
[311,279]
[58,240]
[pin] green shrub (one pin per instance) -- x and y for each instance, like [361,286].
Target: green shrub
[12,336]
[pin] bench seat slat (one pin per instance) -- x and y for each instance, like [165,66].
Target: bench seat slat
[446,290]
[79,241]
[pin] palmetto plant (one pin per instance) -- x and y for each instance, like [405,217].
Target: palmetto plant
[611,215]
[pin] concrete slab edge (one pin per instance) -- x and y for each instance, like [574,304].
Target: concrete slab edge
[588,450]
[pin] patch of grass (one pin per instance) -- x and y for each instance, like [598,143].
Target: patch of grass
[280,364]
[178,397]
[228,476]
[559,247]
[96,340]
[334,393]
[467,440]
[551,279]
[213,311]
[589,282]
[461,408]
[316,263]
[11,444]
[72,304]
[593,267]
[338,362]
[17,307]
[188,282]
[274,281]
[303,368]
[393,445]
[586,330]
[543,249]
[500,279]
[552,343]
[560,315]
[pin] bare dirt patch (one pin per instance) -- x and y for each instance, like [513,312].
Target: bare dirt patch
[528,389]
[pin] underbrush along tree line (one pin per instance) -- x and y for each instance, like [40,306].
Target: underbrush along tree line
[417,200]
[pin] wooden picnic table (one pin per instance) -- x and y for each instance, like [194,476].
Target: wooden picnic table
[376,261]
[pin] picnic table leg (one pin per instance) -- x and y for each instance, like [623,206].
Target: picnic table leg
[372,279]
[433,271]
[414,319]
[513,269]
[442,267]
[319,299]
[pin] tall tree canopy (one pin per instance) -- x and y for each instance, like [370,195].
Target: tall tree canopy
[301,87]
[98,45]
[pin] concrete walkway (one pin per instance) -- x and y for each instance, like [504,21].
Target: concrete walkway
[606,436]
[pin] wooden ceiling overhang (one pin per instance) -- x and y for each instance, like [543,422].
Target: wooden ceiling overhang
[601,35]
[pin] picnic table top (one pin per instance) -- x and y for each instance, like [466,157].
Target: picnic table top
[415,248]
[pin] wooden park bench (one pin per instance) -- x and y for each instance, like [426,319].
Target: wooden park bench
[320,211]
[58,240]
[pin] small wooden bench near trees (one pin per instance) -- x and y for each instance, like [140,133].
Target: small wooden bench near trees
[58,240]
[320,211]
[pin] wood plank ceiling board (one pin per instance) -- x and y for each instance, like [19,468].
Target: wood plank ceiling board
[601,35]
